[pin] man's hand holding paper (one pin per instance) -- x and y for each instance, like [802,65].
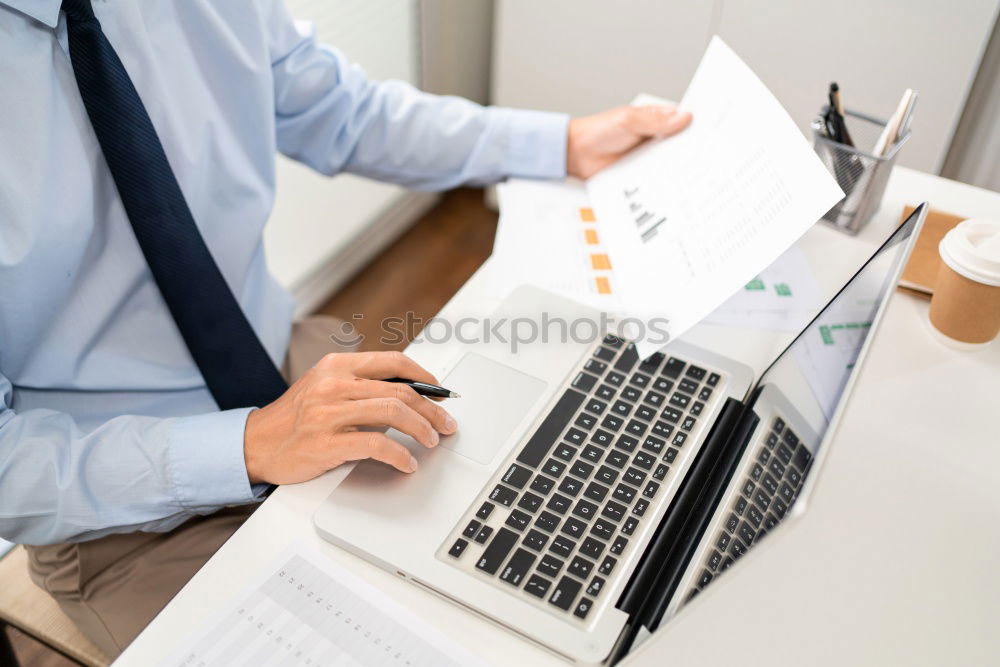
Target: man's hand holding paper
[594,142]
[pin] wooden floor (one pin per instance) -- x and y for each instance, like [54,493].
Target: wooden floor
[420,272]
[417,274]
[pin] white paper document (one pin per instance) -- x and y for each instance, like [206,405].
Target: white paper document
[693,218]
[308,611]
[548,236]
[784,296]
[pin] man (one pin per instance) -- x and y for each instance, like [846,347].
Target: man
[142,409]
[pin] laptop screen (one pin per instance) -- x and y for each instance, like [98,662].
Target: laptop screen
[755,478]
[811,373]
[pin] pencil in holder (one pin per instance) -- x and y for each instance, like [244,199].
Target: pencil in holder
[862,176]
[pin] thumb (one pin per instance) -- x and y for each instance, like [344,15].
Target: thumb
[655,121]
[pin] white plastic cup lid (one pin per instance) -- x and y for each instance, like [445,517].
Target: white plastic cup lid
[972,249]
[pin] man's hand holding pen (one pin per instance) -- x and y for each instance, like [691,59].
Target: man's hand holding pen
[318,423]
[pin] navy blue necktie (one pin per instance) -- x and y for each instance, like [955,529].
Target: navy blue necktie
[234,364]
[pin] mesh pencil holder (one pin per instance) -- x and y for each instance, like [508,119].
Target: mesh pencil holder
[862,176]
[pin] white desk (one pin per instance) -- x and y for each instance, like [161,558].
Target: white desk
[893,563]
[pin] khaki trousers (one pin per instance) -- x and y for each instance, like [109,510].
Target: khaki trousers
[112,587]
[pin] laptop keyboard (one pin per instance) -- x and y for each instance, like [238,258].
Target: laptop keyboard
[767,491]
[560,517]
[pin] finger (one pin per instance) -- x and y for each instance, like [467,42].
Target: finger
[390,412]
[383,365]
[678,122]
[373,445]
[653,121]
[361,388]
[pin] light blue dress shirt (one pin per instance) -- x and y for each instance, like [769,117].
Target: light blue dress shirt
[105,422]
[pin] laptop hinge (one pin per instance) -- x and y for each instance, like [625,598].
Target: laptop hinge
[652,584]
[643,577]
[696,521]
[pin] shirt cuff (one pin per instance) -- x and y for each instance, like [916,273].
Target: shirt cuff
[537,144]
[206,462]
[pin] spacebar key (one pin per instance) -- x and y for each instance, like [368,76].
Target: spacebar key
[549,430]
[497,551]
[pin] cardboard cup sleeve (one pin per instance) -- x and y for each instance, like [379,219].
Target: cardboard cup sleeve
[966,302]
[963,309]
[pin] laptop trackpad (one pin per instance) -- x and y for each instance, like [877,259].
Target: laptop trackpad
[495,399]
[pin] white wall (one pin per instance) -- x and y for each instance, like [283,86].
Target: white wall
[584,55]
[456,38]
[873,49]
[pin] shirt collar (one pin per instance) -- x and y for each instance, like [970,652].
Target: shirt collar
[46,11]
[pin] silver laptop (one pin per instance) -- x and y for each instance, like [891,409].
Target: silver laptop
[590,493]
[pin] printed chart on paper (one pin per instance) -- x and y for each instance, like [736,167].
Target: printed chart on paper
[311,613]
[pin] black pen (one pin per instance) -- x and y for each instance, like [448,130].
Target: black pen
[425,389]
[837,112]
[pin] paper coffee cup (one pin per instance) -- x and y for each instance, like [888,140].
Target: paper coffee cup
[966,302]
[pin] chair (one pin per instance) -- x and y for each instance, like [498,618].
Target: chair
[25,606]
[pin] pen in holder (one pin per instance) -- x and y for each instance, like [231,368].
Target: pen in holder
[862,176]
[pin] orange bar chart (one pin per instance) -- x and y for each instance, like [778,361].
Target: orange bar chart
[600,262]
